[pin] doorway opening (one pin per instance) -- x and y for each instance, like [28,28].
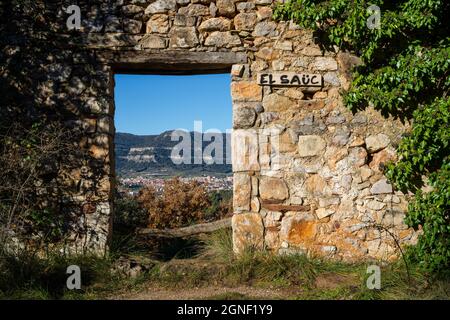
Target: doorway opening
[172,159]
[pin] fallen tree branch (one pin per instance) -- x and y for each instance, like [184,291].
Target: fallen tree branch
[187,231]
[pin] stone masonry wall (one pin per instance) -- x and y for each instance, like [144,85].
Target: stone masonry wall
[307,172]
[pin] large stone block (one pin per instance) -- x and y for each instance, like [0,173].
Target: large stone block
[194,10]
[248,232]
[273,189]
[215,24]
[324,64]
[298,230]
[222,39]
[265,29]
[246,91]
[380,187]
[245,150]
[316,185]
[311,145]
[245,21]
[226,7]
[377,142]
[382,158]
[161,6]
[152,41]
[183,37]
[275,102]
[242,190]
[158,23]
[244,116]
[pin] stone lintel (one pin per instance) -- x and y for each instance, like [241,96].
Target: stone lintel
[171,61]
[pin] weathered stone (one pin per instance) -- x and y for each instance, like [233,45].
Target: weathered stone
[153,42]
[265,53]
[222,39]
[329,249]
[245,21]
[273,189]
[132,9]
[357,157]
[311,104]
[161,6]
[267,117]
[237,70]
[181,20]
[132,26]
[264,13]
[381,158]
[377,142]
[158,23]
[245,147]
[357,142]
[341,136]
[299,229]
[274,216]
[320,95]
[286,143]
[264,29]
[99,152]
[323,213]
[241,192]
[312,51]
[246,91]
[283,208]
[277,103]
[294,93]
[375,205]
[272,239]
[381,187]
[255,205]
[183,37]
[278,65]
[311,145]
[194,10]
[335,119]
[331,78]
[215,24]
[324,64]
[113,24]
[226,7]
[329,201]
[245,6]
[243,116]
[213,9]
[248,232]
[365,172]
[315,185]
[359,119]
[284,45]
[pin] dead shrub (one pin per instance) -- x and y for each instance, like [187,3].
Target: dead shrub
[180,204]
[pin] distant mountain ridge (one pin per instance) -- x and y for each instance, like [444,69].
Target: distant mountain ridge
[151,154]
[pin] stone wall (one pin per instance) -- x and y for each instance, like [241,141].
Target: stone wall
[307,172]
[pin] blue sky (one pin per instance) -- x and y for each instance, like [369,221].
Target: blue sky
[151,104]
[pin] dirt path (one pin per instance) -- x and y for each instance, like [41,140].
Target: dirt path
[242,292]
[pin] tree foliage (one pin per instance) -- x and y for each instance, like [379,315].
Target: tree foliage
[405,73]
[179,204]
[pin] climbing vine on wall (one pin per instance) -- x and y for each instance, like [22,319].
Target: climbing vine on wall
[405,73]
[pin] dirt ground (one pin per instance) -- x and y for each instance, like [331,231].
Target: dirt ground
[242,292]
